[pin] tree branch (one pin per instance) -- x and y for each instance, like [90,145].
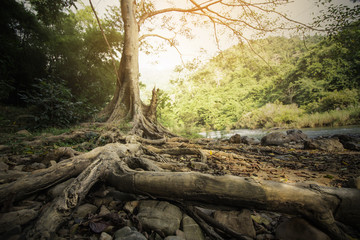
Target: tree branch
[170,41]
[107,43]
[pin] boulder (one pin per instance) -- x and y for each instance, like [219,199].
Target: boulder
[128,233]
[328,144]
[250,141]
[299,229]
[159,215]
[297,135]
[191,229]
[235,138]
[348,142]
[275,139]
[240,222]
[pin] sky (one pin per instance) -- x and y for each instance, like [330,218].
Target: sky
[157,70]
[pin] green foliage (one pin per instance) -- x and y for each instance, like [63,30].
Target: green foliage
[52,103]
[46,40]
[299,85]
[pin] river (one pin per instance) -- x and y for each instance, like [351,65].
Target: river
[353,130]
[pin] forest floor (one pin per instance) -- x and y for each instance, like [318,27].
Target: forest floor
[24,152]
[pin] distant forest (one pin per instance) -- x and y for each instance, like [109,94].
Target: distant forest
[277,82]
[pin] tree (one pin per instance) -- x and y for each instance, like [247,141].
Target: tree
[233,16]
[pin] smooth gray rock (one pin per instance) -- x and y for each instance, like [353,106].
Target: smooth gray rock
[159,215]
[299,229]
[128,233]
[250,141]
[191,229]
[240,222]
[275,139]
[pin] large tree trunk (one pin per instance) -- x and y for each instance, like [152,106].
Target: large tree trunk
[126,104]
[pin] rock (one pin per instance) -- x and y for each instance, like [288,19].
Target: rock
[235,138]
[357,182]
[104,211]
[58,189]
[19,167]
[159,215]
[250,141]
[191,229]
[297,135]
[23,133]
[99,201]
[275,139]
[299,229]
[128,233]
[36,166]
[3,166]
[176,238]
[105,236]
[130,206]
[11,219]
[348,142]
[120,196]
[83,210]
[328,144]
[240,222]
[265,237]
[199,166]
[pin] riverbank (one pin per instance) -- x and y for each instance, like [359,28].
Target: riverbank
[351,130]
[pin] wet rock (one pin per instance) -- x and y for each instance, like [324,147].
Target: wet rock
[11,219]
[191,229]
[128,233]
[275,139]
[240,222]
[83,210]
[235,138]
[58,189]
[328,144]
[160,215]
[250,141]
[105,236]
[299,229]
[297,135]
[199,166]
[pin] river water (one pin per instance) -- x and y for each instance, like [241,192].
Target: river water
[311,132]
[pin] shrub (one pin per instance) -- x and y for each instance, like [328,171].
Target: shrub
[52,103]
